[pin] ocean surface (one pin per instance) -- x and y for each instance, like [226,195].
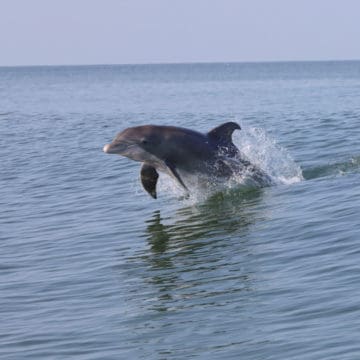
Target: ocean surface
[91,267]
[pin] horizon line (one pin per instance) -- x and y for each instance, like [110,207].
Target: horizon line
[181,63]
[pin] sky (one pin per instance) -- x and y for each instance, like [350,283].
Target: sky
[71,32]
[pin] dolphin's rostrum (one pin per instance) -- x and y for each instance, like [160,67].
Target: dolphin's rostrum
[179,151]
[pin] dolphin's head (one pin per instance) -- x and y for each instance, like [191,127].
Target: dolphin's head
[140,143]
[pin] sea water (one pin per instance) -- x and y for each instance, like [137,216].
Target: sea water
[91,267]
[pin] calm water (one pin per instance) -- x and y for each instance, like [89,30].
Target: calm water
[92,268]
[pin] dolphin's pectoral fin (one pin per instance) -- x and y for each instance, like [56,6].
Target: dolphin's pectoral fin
[223,133]
[149,177]
[176,175]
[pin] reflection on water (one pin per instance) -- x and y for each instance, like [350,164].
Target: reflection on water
[220,216]
[158,235]
[201,252]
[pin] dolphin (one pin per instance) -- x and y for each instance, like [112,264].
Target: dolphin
[180,152]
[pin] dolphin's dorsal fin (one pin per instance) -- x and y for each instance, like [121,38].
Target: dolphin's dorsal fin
[149,177]
[223,133]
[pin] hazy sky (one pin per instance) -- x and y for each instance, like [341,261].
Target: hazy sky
[148,31]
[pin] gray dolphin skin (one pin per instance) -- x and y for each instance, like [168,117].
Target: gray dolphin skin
[178,151]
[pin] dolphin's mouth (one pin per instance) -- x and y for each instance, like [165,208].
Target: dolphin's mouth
[106,148]
[118,148]
[130,150]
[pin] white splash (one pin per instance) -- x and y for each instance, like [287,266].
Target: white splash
[255,146]
[264,152]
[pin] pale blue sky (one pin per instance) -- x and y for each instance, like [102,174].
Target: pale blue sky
[157,31]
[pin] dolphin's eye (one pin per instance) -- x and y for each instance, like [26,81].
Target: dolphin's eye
[144,141]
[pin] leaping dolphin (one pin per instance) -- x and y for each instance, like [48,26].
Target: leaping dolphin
[178,151]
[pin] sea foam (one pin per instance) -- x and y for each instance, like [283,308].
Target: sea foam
[256,146]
